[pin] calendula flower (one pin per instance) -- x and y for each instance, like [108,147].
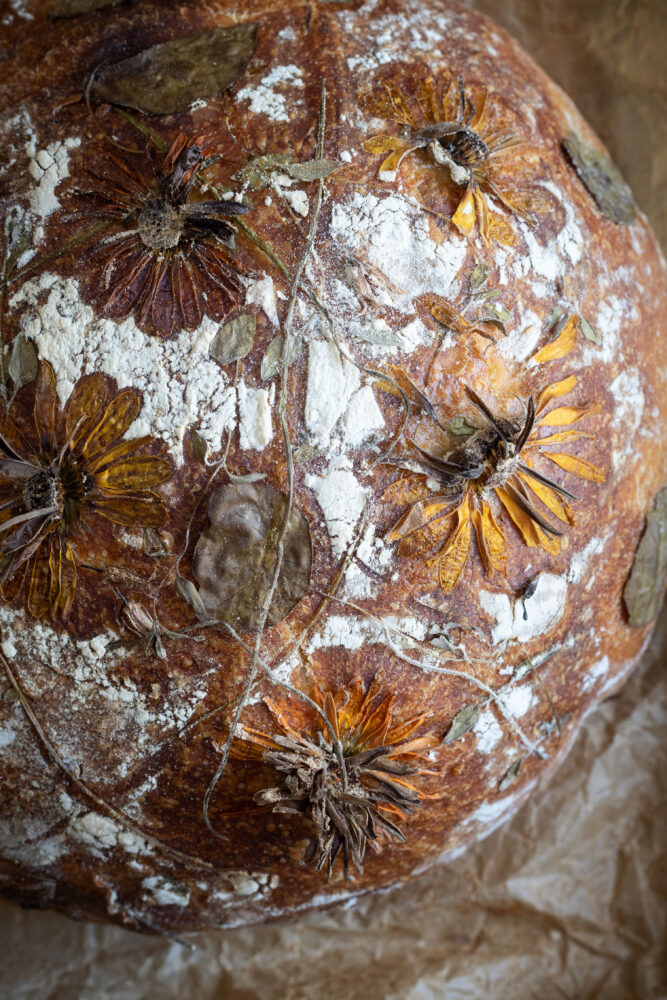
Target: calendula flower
[454,132]
[354,780]
[170,257]
[452,494]
[73,466]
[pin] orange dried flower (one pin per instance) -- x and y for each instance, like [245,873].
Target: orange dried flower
[169,260]
[353,781]
[449,495]
[454,132]
[74,466]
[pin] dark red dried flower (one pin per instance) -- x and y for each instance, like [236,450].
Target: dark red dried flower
[170,259]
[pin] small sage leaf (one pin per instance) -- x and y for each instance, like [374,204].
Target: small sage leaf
[462,723]
[271,361]
[235,558]
[70,8]
[511,775]
[643,591]
[234,340]
[460,427]
[372,334]
[199,447]
[255,174]
[187,590]
[554,320]
[169,77]
[602,180]
[23,364]
[312,170]
[479,276]
[589,332]
[154,545]
[498,316]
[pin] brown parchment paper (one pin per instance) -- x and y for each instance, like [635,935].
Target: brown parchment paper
[568,900]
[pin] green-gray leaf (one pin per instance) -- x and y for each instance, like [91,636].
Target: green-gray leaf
[370,334]
[312,170]
[199,447]
[187,590]
[169,77]
[272,359]
[255,174]
[511,775]
[460,426]
[235,558]
[643,591]
[602,180]
[479,276]
[23,364]
[234,340]
[589,332]
[462,723]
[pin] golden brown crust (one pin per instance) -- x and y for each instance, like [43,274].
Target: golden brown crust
[103,772]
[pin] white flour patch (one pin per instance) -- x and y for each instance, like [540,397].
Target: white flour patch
[161,891]
[392,232]
[342,499]
[357,584]
[374,552]
[263,294]
[265,100]
[535,616]
[630,403]
[488,731]
[580,560]
[255,423]
[362,418]
[599,670]
[353,633]
[49,167]
[516,701]
[331,382]
[101,833]
[181,385]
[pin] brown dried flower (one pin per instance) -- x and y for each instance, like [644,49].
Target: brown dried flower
[353,782]
[75,465]
[169,260]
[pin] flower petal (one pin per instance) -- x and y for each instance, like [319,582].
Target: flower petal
[134,474]
[577,466]
[46,408]
[83,406]
[119,451]
[417,517]
[490,539]
[560,437]
[561,346]
[555,390]
[39,588]
[550,498]
[147,512]
[453,558]
[381,144]
[532,534]
[464,216]
[564,415]
[121,412]
[407,490]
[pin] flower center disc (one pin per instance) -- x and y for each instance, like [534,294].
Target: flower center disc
[43,490]
[466,147]
[160,225]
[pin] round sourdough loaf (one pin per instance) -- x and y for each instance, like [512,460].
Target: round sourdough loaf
[331,448]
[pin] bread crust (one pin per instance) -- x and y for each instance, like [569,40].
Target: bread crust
[103,772]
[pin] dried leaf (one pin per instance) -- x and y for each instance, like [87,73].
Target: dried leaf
[70,8]
[312,170]
[235,557]
[499,316]
[602,179]
[460,427]
[154,545]
[169,77]
[272,359]
[552,323]
[234,340]
[479,276]
[23,364]
[644,589]
[256,172]
[589,331]
[199,447]
[187,590]
[511,775]
[462,723]
[369,334]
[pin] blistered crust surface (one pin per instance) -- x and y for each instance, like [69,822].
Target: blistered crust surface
[103,788]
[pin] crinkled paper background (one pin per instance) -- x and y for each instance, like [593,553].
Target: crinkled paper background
[567,900]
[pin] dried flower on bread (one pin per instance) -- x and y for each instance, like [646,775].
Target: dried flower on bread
[454,132]
[354,779]
[453,493]
[170,259]
[70,467]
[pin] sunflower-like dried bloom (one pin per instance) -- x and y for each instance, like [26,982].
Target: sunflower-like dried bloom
[450,494]
[72,466]
[354,781]
[455,134]
[170,260]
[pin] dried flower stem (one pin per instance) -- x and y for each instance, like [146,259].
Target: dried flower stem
[57,253]
[282,409]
